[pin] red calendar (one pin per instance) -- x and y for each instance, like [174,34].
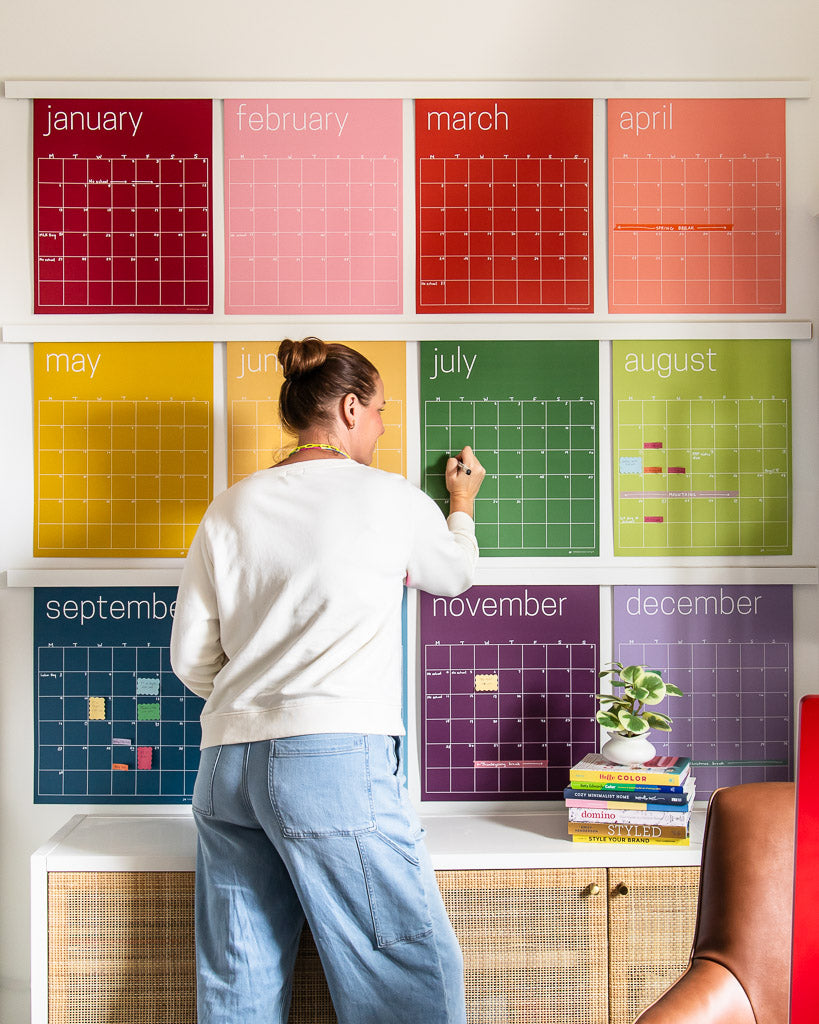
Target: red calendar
[504,208]
[122,206]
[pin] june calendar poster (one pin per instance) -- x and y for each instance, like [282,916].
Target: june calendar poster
[696,205]
[503,206]
[122,206]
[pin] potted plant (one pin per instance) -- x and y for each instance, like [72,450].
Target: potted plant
[629,715]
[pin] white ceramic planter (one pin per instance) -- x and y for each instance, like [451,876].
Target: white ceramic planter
[628,750]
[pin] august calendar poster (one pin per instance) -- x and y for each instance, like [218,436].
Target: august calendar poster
[508,675]
[730,650]
[503,206]
[696,205]
[112,723]
[122,206]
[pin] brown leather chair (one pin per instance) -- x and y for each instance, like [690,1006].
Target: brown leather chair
[739,971]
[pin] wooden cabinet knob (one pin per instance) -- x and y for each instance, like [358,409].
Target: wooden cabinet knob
[593,889]
[621,889]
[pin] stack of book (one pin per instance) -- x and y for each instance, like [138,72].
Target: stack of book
[647,805]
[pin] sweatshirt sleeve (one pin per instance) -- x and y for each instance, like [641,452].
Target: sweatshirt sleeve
[444,552]
[196,648]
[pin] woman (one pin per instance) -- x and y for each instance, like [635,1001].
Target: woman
[288,624]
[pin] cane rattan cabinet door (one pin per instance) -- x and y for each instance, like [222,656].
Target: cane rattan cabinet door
[652,913]
[534,944]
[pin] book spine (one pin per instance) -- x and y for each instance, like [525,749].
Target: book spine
[630,841]
[618,830]
[629,806]
[602,776]
[626,787]
[630,817]
[604,796]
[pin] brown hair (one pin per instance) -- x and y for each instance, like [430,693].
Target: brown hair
[316,376]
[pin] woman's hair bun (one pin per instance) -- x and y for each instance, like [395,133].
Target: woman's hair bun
[300,357]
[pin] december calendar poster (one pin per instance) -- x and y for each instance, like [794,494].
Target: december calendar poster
[503,206]
[122,206]
[696,206]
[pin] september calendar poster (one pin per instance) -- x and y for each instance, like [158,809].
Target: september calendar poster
[696,206]
[730,650]
[503,206]
[122,206]
[508,675]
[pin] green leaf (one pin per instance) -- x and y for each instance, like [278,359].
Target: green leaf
[631,723]
[633,674]
[661,722]
[675,691]
[607,720]
[651,689]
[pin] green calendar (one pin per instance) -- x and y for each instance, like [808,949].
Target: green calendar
[530,411]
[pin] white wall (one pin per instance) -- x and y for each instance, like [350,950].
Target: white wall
[363,39]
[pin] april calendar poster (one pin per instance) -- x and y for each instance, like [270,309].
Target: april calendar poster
[112,723]
[122,447]
[696,206]
[256,438]
[313,220]
[530,412]
[122,206]
[508,675]
[503,206]
[730,650]
[702,447]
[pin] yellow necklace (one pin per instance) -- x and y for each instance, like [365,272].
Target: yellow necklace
[323,447]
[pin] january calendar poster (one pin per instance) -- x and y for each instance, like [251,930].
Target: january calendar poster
[256,438]
[122,206]
[530,411]
[503,206]
[702,447]
[313,219]
[122,447]
[696,206]
[730,650]
[112,723]
[509,675]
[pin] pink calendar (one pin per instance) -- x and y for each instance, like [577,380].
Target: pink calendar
[122,206]
[696,206]
[313,206]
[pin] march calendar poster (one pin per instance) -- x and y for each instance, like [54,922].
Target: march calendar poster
[122,206]
[696,205]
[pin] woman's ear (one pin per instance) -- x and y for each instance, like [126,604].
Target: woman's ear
[349,409]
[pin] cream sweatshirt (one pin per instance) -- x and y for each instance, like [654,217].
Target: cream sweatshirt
[288,618]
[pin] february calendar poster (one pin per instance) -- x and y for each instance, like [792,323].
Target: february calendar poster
[702,447]
[122,206]
[508,675]
[530,412]
[122,447]
[313,220]
[256,438]
[696,206]
[112,723]
[503,206]
[730,650]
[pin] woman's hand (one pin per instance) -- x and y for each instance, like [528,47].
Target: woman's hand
[463,476]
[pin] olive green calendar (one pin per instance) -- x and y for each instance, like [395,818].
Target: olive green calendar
[530,411]
[702,447]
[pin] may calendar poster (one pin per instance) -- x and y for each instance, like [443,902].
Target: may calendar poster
[530,412]
[508,681]
[696,206]
[702,447]
[122,447]
[122,206]
[313,217]
[504,206]
[256,438]
[730,650]
[112,723]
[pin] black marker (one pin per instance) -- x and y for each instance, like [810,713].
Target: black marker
[462,466]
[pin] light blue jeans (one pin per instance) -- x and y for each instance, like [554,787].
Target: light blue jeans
[318,827]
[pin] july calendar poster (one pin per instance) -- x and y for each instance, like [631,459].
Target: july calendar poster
[702,447]
[730,650]
[313,209]
[508,675]
[504,206]
[696,206]
[112,723]
[122,206]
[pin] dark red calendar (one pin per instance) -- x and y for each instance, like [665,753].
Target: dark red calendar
[122,206]
[504,206]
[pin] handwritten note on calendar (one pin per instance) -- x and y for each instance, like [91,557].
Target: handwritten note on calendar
[313,206]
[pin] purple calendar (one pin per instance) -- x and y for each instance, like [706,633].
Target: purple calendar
[508,678]
[730,650]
